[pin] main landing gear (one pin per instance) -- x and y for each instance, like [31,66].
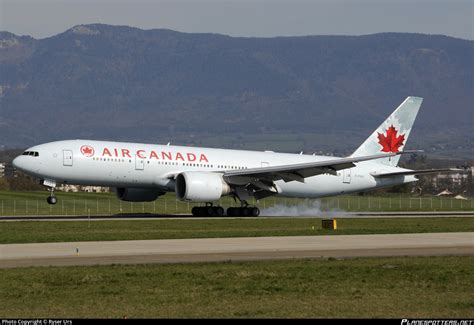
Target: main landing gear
[243,211]
[208,211]
[215,211]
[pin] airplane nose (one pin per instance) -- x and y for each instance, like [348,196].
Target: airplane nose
[17,162]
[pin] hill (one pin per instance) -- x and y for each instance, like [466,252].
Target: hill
[286,93]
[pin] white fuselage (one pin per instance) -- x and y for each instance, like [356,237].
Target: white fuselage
[136,165]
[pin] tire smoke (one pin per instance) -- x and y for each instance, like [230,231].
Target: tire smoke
[308,208]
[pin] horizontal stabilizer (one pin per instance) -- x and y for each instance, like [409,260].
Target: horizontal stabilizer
[417,172]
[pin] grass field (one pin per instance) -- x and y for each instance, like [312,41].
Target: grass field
[414,287]
[34,203]
[60,231]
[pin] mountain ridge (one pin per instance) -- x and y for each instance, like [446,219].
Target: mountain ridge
[118,82]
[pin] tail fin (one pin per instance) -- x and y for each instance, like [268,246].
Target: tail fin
[392,134]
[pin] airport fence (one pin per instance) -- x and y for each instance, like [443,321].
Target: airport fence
[269,206]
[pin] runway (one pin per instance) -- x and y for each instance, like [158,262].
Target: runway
[234,249]
[151,216]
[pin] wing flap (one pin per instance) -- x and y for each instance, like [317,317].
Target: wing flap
[417,172]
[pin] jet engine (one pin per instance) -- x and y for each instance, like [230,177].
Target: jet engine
[200,186]
[138,194]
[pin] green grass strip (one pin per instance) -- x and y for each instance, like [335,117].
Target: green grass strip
[415,287]
[65,231]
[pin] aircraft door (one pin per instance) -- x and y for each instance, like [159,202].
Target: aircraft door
[139,163]
[346,176]
[67,157]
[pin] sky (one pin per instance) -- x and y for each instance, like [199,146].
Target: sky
[262,18]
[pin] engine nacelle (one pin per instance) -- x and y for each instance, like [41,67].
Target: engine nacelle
[200,186]
[138,194]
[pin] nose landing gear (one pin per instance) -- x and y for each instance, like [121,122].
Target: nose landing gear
[51,185]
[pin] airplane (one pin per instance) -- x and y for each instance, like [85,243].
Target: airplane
[143,172]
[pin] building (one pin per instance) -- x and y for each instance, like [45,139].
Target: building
[78,188]
[455,181]
[95,189]
[68,188]
[2,170]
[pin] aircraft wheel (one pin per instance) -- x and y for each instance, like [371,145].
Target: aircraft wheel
[199,212]
[254,212]
[52,200]
[232,212]
[209,211]
[219,211]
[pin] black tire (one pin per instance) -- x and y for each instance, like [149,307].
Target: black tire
[254,212]
[244,212]
[195,211]
[219,211]
[231,212]
[52,200]
[209,211]
[201,212]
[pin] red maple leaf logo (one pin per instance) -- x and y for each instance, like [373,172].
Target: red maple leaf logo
[87,151]
[390,141]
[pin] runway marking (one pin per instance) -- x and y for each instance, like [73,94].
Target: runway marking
[236,249]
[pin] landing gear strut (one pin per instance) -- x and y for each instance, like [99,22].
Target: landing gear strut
[243,211]
[208,211]
[51,198]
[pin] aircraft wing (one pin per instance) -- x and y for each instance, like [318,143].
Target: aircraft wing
[298,172]
[417,172]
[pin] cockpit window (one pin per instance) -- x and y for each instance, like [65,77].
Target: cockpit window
[31,153]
